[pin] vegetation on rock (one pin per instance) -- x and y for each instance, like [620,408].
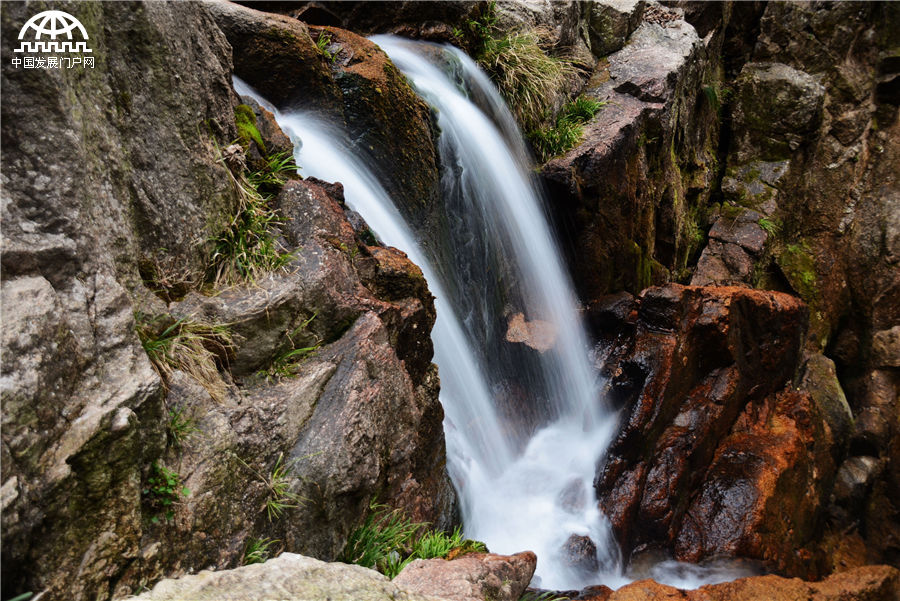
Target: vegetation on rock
[551,141]
[388,540]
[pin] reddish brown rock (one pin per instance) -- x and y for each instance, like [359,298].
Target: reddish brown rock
[699,373]
[472,577]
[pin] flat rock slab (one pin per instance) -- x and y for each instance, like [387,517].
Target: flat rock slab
[288,577]
[473,577]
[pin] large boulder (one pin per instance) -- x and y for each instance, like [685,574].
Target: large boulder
[103,168]
[289,577]
[114,476]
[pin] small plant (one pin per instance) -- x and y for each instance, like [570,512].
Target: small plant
[568,129]
[279,495]
[322,43]
[163,490]
[381,540]
[542,596]
[274,174]
[180,427]
[259,550]
[186,345]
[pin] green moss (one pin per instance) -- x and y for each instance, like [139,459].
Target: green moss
[245,120]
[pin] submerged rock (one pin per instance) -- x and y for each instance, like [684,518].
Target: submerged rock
[537,334]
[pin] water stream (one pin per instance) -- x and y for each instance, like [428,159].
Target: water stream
[525,428]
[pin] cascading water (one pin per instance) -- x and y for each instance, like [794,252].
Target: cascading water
[525,428]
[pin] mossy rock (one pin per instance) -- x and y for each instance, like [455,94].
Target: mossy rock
[245,120]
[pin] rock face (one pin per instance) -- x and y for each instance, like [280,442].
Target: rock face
[351,81]
[472,577]
[714,443]
[89,427]
[631,195]
[290,577]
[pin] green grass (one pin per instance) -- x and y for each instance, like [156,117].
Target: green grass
[388,540]
[259,550]
[322,43]
[163,489]
[549,142]
[280,496]
[185,345]
[518,64]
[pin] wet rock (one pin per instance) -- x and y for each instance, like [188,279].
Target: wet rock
[472,577]
[612,22]
[854,480]
[355,84]
[609,313]
[700,373]
[886,348]
[536,334]
[289,577]
[615,193]
[763,494]
[580,552]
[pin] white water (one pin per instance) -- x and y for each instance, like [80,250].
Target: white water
[519,488]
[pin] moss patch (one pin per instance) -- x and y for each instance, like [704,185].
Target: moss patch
[245,120]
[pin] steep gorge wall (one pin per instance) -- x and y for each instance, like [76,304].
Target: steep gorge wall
[114,188]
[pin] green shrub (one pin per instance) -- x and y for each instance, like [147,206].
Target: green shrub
[248,247]
[518,64]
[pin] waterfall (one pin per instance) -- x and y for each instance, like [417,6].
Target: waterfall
[525,427]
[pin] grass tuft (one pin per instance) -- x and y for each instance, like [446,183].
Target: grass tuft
[388,540]
[249,247]
[186,345]
[180,427]
[259,550]
[518,64]
[549,142]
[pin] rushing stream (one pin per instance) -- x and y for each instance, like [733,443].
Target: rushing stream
[525,427]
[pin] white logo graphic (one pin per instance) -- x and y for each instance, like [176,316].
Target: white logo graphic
[52,32]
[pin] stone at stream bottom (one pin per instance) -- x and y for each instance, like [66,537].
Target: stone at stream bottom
[473,577]
[288,577]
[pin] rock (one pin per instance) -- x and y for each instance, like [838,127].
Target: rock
[296,73]
[821,381]
[625,195]
[854,480]
[102,168]
[763,495]
[692,375]
[778,108]
[289,577]
[472,577]
[609,313]
[356,85]
[536,334]
[580,552]
[612,22]
[886,348]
